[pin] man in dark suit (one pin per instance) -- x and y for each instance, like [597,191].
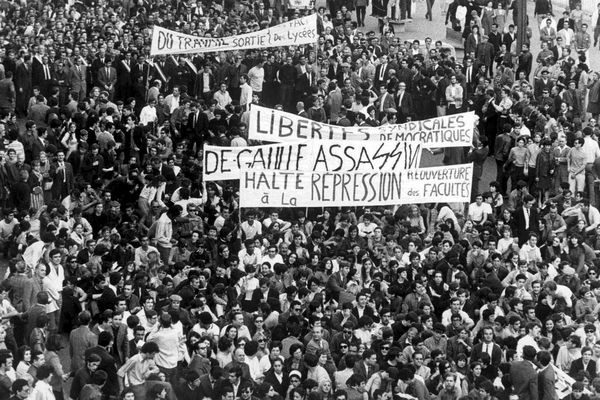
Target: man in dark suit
[197,126]
[62,177]
[124,78]
[236,377]
[211,383]
[204,84]
[42,76]
[142,69]
[264,294]
[23,85]
[384,102]
[96,64]
[526,218]
[368,365]
[335,70]
[362,309]
[488,346]
[405,103]
[542,84]
[565,18]
[105,341]
[107,78]
[546,377]
[121,345]
[163,169]
[585,363]
[77,78]
[337,282]
[524,377]
[509,37]
[81,339]
[76,157]
[382,72]
[304,83]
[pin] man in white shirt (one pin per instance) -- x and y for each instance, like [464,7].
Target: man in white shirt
[250,228]
[171,344]
[479,211]
[533,330]
[530,252]
[172,100]
[455,309]
[454,96]
[148,113]
[139,367]
[256,77]
[591,215]
[249,255]
[222,96]
[274,217]
[592,152]
[272,257]
[566,33]
[141,253]
[246,93]
[559,292]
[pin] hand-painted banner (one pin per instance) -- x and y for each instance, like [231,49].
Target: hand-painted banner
[222,163]
[563,383]
[450,184]
[280,127]
[295,32]
[270,188]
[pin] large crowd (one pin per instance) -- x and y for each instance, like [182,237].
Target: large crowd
[129,277]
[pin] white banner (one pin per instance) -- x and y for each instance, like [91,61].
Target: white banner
[271,188]
[563,383]
[451,184]
[222,163]
[295,32]
[278,126]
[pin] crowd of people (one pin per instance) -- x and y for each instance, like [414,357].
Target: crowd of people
[129,277]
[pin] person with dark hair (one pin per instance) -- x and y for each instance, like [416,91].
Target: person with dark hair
[80,339]
[368,365]
[277,377]
[20,389]
[93,390]
[526,218]
[6,360]
[188,390]
[170,343]
[546,377]
[107,363]
[138,367]
[83,375]
[524,376]
[43,389]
